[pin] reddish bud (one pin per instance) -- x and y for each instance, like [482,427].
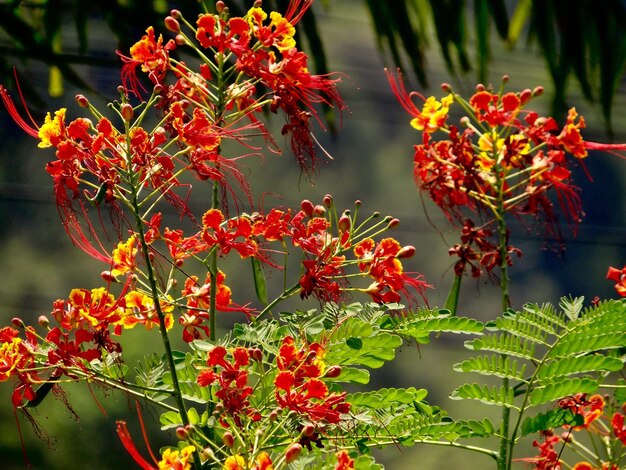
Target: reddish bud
[228,439]
[207,453]
[181,433]
[505,78]
[406,252]
[273,416]
[333,372]
[307,207]
[293,452]
[180,40]
[127,112]
[525,96]
[393,223]
[258,3]
[17,322]
[538,91]
[107,276]
[219,6]
[158,89]
[319,210]
[82,101]
[307,430]
[43,321]
[172,24]
[176,14]
[121,90]
[328,200]
[480,87]
[446,87]
[255,354]
[344,223]
[357,203]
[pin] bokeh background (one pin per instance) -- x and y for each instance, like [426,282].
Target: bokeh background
[372,162]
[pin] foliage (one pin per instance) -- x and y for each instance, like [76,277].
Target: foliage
[586,42]
[290,389]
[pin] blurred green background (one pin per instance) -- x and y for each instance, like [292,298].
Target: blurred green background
[372,153]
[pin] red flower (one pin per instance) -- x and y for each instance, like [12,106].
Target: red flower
[619,276]
[344,461]
[619,430]
[151,55]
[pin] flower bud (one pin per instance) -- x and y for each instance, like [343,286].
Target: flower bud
[525,96]
[505,78]
[219,6]
[127,112]
[82,101]
[293,452]
[319,210]
[182,433]
[307,207]
[446,87]
[172,24]
[344,222]
[176,14]
[273,416]
[255,354]
[538,91]
[180,40]
[228,439]
[258,3]
[207,454]
[307,430]
[107,276]
[480,87]
[333,372]
[43,321]
[393,223]
[17,322]
[158,89]
[406,252]
[328,200]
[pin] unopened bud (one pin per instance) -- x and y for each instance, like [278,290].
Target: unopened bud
[127,112]
[207,454]
[219,6]
[180,40]
[333,372]
[228,439]
[273,416]
[107,276]
[505,78]
[319,210]
[406,252]
[82,101]
[43,321]
[255,354]
[258,3]
[293,452]
[480,87]
[121,90]
[446,87]
[218,410]
[328,200]
[158,89]
[172,24]
[344,222]
[307,430]
[525,96]
[393,223]
[181,433]
[307,207]
[17,322]
[538,91]
[176,14]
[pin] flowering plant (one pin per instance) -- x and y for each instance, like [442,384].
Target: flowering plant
[271,392]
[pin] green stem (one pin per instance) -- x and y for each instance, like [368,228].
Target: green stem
[505,449]
[285,295]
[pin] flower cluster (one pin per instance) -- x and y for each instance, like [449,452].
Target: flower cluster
[605,427]
[502,159]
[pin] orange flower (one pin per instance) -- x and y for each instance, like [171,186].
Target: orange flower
[344,462]
[176,459]
[124,257]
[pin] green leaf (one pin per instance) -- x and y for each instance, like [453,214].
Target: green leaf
[354,343]
[555,391]
[552,370]
[495,365]
[169,420]
[550,420]
[499,396]
[352,375]
[519,18]
[260,286]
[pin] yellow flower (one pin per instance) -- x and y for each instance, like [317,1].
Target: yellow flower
[52,129]
[176,460]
